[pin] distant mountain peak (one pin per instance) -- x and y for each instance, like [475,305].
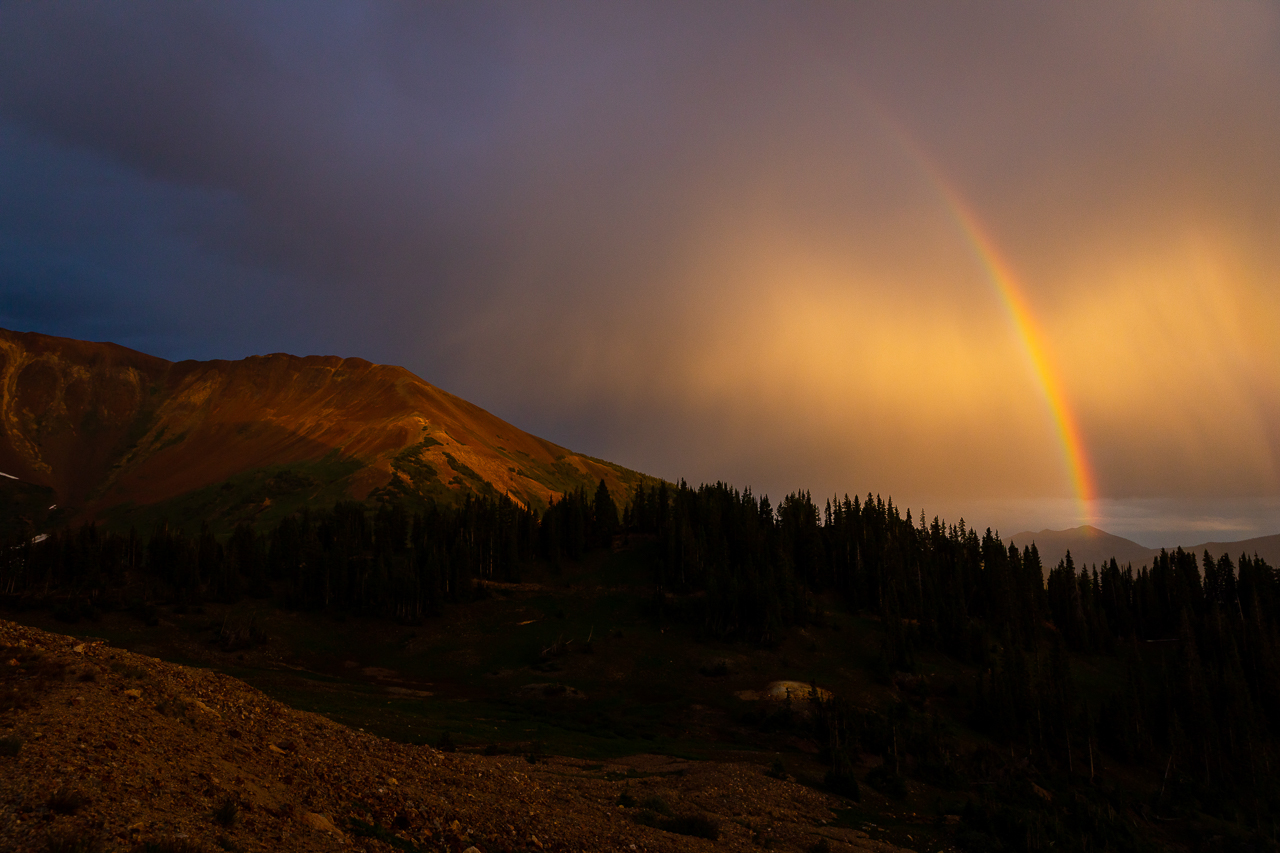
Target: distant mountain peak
[1091,545]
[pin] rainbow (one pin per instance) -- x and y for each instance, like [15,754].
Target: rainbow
[1015,302]
[1033,343]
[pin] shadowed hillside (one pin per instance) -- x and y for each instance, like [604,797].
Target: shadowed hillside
[226,768]
[128,438]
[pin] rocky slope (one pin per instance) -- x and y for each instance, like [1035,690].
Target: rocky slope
[110,430]
[102,749]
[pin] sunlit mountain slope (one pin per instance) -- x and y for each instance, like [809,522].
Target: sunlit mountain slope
[121,435]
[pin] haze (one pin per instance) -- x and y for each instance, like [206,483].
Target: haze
[707,241]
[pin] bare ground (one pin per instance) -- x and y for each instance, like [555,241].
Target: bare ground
[103,749]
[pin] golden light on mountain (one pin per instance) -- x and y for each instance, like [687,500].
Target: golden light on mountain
[109,429]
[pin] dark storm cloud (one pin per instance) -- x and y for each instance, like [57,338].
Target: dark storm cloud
[424,158]
[694,238]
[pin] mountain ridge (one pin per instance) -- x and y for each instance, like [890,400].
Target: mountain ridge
[1090,545]
[110,431]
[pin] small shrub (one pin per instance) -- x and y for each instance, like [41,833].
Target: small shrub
[227,813]
[10,745]
[445,743]
[235,636]
[717,669]
[375,830]
[881,670]
[887,782]
[87,675]
[626,800]
[842,783]
[73,610]
[656,804]
[128,670]
[977,842]
[34,666]
[66,800]
[145,613]
[697,826]
[778,770]
[171,706]
[822,845]
[939,775]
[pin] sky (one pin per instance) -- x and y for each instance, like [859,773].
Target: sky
[1013,262]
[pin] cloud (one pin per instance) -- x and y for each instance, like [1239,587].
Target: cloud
[694,239]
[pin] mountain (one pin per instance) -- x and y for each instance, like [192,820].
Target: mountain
[1089,546]
[105,432]
[1266,547]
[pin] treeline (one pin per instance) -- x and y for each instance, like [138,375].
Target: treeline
[387,562]
[1197,639]
[758,569]
[1186,652]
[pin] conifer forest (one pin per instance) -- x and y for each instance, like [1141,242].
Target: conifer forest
[1040,756]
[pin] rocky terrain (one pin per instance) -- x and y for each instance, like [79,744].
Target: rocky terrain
[103,749]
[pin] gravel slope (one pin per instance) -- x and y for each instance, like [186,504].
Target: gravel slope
[102,749]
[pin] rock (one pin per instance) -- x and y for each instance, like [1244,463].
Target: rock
[277,750]
[798,691]
[193,702]
[550,691]
[320,823]
[133,693]
[472,849]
